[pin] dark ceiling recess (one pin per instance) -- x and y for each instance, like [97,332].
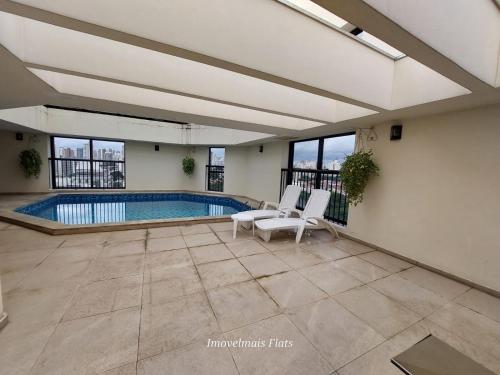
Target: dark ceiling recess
[356,31]
[113,114]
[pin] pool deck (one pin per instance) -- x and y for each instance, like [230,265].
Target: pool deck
[9,202]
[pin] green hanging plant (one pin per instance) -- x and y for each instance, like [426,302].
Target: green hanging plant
[188,165]
[31,162]
[355,173]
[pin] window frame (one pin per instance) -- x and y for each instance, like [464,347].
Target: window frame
[91,159]
[321,145]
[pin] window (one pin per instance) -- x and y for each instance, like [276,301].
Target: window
[80,163]
[305,154]
[335,150]
[321,153]
[216,156]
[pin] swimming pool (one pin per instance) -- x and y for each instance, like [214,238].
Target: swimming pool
[113,208]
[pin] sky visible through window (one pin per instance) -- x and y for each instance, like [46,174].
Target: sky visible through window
[334,152]
[74,148]
[217,155]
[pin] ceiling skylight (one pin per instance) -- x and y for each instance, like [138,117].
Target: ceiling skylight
[380,44]
[313,10]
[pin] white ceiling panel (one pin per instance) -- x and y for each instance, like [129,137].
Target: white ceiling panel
[261,34]
[40,43]
[92,88]
[465,31]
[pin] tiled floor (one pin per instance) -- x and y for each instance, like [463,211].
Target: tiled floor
[148,302]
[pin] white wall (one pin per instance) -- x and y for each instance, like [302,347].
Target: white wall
[12,178]
[436,200]
[254,174]
[148,169]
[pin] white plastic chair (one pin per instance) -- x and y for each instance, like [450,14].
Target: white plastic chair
[311,217]
[287,204]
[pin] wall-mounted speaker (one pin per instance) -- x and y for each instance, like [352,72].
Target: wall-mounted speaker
[261,148]
[19,136]
[396,132]
[157,147]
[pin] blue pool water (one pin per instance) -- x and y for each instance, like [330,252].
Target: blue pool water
[110,208]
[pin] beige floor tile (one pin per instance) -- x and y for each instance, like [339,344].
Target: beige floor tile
[113,267]
[168,259]
[16,261]
[290,289]
[227,236]
[201,239]
[282,241]
[193,359]
[51,274]
[23,239]
[124,248]
[326,251]
[468,348]
[163,232]
[335,332]
[129,369]
[361,269]
[90,239]
[239,304]
[417,299]
[264,265]
[482,303]
[195,229]
[74,254]
[381,313]
[3,225]
[217,274]
[19,352]
[221,227]
[470,326]
[385,261]
[330,278]
[105,296]
[378,360]
[91,345]
[34,309]
[155,245]
[246,247]
[299,359]
[298,258]
[163,285]
[126,236]
[11,280]
[210,253]
[352,247]
[438,284]
[174,324]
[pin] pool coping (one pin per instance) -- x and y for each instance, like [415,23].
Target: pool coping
[56,228]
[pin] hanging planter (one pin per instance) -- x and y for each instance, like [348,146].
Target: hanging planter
[188,165]
[31,162]
[355,173]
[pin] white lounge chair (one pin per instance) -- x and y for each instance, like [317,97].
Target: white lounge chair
[311,218]
[287,204]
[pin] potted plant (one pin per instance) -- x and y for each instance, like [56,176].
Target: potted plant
[355,173]
[188,165]
[31,162]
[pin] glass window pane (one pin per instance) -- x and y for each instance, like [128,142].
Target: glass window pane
[108,150]
[336,149]
[71,148]
[305,154]
[217,155]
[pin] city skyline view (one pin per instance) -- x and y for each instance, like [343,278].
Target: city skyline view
[76,148]
[335,150]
